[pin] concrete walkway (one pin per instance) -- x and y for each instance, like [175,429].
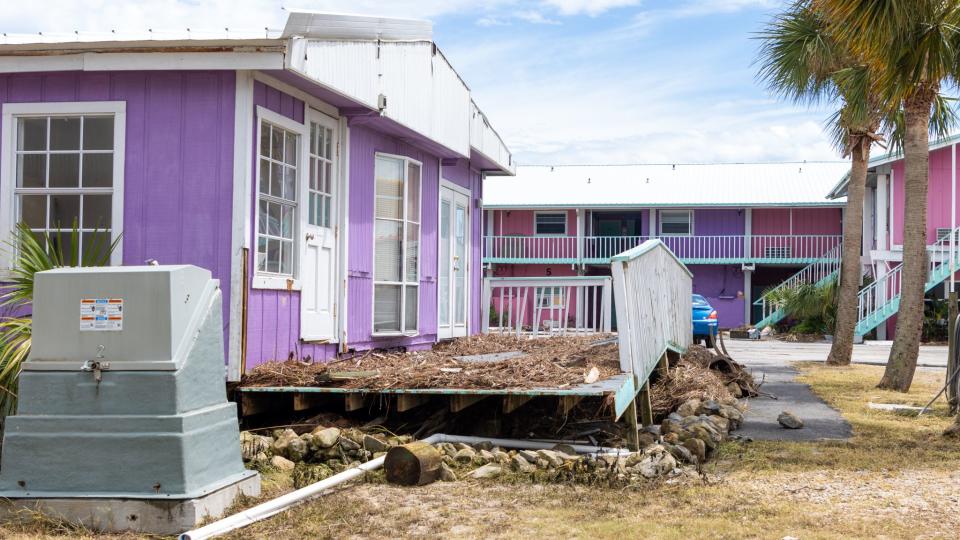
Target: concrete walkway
[771,361]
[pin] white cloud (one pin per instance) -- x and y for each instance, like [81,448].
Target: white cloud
[588,7]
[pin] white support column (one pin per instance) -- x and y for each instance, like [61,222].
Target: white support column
[881,212]
[488,245]
[891,218]
[747,297]
[581,230]
[652,222]
[869,219]
[953,214]
[747,232]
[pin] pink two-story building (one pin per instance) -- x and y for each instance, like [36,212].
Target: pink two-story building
[740,228]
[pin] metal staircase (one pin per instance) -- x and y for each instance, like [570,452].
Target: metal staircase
[818,272]
[880,300]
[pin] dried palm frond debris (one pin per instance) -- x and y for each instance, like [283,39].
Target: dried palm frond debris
[702,375]
[558,361]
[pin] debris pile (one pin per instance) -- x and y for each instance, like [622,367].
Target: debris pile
[701,375]
[555,362]
[701,425]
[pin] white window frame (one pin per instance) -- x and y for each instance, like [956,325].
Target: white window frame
[267,280]
[689,214]
[8,172]
[539,213]
[403,283]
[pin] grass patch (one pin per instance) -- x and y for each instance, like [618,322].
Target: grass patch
[896,477]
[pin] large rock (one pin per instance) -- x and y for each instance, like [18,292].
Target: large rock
[490,470]
[722,423]
[465,455]
[297,449]
[528,455]
[519,464]
[282,463]
[283,440]
[696,447]
[789,420]
[551,457]
[709,407]
[374,444]
[447,474]
[689,407]
[251,445]
[682,454]
[325,437]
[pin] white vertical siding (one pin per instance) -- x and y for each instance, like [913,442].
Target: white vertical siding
[423,91]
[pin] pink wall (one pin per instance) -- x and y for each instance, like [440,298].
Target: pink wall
[517,222]
[938,196]
[805,221]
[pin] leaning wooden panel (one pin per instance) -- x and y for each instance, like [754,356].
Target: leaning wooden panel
[652,289]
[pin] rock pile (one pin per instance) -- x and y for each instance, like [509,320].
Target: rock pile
[315,455]
[700,426]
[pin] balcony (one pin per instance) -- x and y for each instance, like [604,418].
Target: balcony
[728,249]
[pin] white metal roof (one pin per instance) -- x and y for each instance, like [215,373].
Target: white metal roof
[358,57]
[685,185]
[322,25]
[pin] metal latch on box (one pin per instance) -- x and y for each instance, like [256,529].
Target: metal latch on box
[97,366]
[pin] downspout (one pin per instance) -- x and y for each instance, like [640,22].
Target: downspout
[278,505]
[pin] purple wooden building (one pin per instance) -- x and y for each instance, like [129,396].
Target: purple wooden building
[329,176]
[742,229]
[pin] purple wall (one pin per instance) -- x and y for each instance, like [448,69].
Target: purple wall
[718,222]
[364,144]
[178,168]
[720,285]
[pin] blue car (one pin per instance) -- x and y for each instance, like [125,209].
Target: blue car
[704,321]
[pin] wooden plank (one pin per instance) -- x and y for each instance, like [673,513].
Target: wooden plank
[633,431]
[252,404]
[514,402]
[302,402]
[405,402]
[646,409]
[354,402]
[459,403]
[567,403]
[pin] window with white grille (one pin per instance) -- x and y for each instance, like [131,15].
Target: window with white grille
[676,222]
[550,223]
[277,200]
[396,257]
[65,171]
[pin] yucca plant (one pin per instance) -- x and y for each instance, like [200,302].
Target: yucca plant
[32,253]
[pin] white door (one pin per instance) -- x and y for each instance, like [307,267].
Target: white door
[454,293]
[318,295]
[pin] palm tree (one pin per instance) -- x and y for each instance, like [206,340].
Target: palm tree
[800,60]
[34,253]
[912,49]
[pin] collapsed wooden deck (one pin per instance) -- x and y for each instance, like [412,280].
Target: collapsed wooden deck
[618,393]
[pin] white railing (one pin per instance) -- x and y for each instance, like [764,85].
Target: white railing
[730,248]
[537,306]
[553,248]
[812,273]
[874,298]
[653,292]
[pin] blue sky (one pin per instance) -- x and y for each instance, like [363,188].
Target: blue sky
[563,81]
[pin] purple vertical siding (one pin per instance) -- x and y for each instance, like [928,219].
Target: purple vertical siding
[273,316]
[178,163]
[720,284]
[365,143]
[720,222]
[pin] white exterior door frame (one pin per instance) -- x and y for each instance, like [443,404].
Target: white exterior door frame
[321,193]
[457,269]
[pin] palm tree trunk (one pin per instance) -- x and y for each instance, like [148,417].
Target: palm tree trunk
[850,269]
[906,344]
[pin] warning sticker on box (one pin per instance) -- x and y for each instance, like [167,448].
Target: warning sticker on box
[101,314]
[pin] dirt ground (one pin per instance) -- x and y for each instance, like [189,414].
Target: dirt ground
[896,478]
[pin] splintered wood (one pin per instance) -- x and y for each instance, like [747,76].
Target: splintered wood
[554,362]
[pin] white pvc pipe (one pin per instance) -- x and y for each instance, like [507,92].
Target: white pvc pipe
[275,506]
